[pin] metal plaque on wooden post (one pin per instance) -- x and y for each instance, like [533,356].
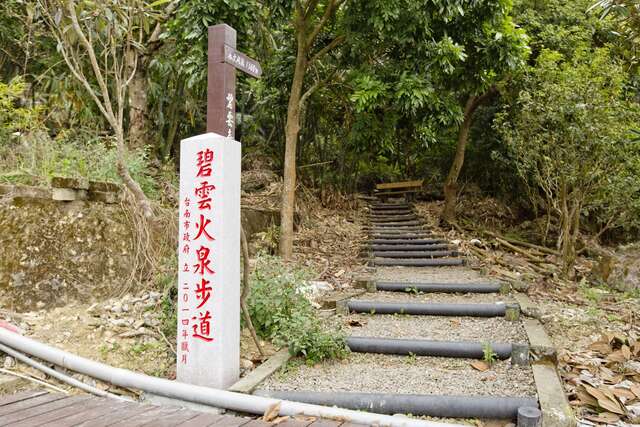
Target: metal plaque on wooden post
[208,335]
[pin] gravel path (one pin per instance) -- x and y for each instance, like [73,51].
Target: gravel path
[433,274]
[382,373]
[493,329]
[373,373]
[430,297]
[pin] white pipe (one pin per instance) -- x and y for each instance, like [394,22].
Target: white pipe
[59,375]
[203,395]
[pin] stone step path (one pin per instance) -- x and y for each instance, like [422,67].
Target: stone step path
[396,224]
[415,332]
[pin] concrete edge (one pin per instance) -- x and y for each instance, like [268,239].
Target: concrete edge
[332,301]
[528,308]
[541,348]
[556,411]
[262,372]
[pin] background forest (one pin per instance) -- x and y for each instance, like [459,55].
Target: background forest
[532,102]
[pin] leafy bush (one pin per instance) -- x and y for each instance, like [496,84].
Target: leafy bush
[570,140]
[12,117]
[34,158]
[280,312]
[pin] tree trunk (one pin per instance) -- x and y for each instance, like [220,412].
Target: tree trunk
[129,182]
[292,128]
[138,109]
[448,214]
[569,229]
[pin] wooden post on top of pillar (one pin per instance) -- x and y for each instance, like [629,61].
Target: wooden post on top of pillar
[221,82]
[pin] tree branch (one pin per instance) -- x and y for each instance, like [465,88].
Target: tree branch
[331,7]
[335,42]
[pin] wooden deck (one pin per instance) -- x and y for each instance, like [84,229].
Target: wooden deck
[31,409]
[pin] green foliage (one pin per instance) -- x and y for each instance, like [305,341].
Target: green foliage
[12,117]
[488,355]
[569,134]
[280,312]
[413,65]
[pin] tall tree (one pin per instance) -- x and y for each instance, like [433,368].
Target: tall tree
[106,34]
[308,19]
[138,61]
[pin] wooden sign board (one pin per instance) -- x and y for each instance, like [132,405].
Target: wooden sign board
[242,62]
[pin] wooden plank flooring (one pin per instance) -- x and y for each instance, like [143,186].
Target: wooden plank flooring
[37,408]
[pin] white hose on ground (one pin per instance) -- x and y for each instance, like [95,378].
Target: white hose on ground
[59,375]
[198,394]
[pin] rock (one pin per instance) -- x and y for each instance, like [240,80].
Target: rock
[119,322]
[9,362]
[475,242]
[246,364]
[40,305]
[117,308]
[125,308]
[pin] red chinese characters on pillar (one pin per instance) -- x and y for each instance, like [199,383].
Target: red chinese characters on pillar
[202,290]
[196,251]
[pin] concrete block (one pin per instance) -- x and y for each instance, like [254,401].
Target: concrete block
[331,301]
[361,282]
[542,349]
[64,194]
[556,411]
[341,308]
[529,417]
[104,197]
[109,187]
[505,288]
[25,191]
[527,307]
[519,355]
[73,183]
[262,372]
[512,312]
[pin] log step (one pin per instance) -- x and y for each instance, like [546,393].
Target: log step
[414,254]
[427,309]
[405,347]
[396,223]
[408,262]
[478,288]
[434,247]
[402,236]
[443,406]
[402,240]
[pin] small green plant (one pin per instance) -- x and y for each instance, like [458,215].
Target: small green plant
[412,290]
[488,355]
[412,358]
[280,312]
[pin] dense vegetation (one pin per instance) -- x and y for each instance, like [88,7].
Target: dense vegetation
[535,101]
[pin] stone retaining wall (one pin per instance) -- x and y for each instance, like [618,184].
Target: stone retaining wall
[68,242]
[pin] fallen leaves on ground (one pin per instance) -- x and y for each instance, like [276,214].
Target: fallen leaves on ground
[480,365]
[603,381]
[272,412]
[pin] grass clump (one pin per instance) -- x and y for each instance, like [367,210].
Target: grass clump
[281,313]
